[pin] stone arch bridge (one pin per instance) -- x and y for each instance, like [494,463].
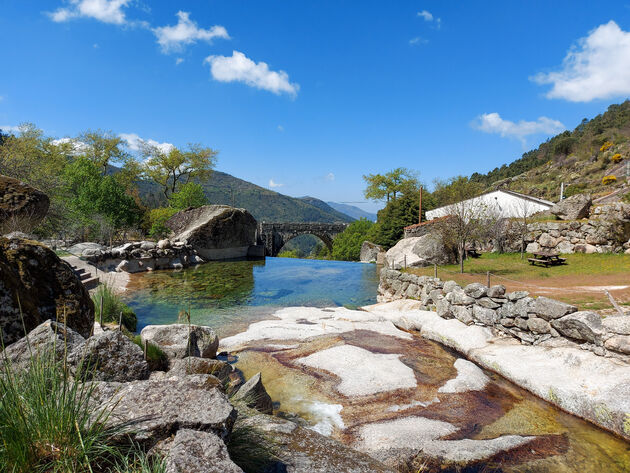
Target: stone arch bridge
[275,235]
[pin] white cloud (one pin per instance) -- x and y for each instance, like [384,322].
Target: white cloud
[107,11]
[280,128]
[428,16]
[135,143]
[9,129]
[179,60]
[594,68]
[493,123]
[330,176]
[273,184]
[239,68]
[417,40]
[186,31]
[78,147]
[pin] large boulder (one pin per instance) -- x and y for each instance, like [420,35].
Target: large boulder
[215,231]
[176,342]
[155,408]
[192,451]
[419,251]
[110,356]
[550,309]
[22,207]
[36,285]
[573,208]
[48,338]
[196,365]
[370,251]
[582,325]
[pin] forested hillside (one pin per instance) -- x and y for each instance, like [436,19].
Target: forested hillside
[264,204]
[581,158]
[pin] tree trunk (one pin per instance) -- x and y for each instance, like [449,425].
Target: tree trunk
[461,259]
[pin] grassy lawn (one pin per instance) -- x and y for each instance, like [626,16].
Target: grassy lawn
[581,281]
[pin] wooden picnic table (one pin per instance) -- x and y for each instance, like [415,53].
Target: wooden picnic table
[472,252]
[546,258]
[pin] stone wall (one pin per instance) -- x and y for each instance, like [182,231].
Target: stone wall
[534,321]
[144,256]
[606,231]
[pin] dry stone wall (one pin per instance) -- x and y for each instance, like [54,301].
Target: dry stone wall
[534,321]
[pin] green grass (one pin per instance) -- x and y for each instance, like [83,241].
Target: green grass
[47,423]
[112,307]
[156,358]
[511,265]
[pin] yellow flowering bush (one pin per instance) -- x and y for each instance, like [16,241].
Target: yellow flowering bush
[611,179]
[616,158]
[605,146]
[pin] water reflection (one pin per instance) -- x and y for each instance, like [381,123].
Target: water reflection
[228,295]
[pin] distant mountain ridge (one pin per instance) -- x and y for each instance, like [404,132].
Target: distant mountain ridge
[264,204]
[352,211]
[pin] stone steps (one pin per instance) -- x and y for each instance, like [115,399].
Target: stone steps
[89,282]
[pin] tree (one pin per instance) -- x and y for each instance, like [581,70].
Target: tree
[392,220]
[102,148]
[173,168]
[190,194]
[347,245]
[465,219]
[390,185]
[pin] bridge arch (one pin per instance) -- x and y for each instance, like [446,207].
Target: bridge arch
[275,235]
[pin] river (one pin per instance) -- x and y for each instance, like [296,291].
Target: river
[231,295]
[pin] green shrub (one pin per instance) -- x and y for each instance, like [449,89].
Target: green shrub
[157,220]
[347,245]
[112,307]
[289,254]
[47,423]
[156,358]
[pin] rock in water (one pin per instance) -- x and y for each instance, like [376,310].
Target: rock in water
[418,251]
[369,252]
[33,278]
[110,356]
[573,208]
[174,340]
[215,231]
[254,394]
[192,451]
[22,207]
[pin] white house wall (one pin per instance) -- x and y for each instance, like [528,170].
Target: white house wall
[496,203]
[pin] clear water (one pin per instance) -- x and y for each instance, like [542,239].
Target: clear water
[227,295]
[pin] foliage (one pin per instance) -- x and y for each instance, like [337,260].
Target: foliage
[47,423]
[112,307]
[347,245]
[289,254]
[606,146]
[455,189]
[170,169]
[626,198]
[157,221]
[610,179]
[392,220]
[101,148]
[189,195]
[156,358]
[139,462]
[398,181]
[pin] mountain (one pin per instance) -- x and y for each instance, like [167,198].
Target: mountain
[264,204]
[352,211]
[580,159]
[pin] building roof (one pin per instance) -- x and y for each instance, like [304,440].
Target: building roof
[505,191]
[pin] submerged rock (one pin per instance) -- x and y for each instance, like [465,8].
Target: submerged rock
[176,342]
[35,285]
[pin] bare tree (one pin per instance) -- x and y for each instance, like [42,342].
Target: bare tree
[524,209]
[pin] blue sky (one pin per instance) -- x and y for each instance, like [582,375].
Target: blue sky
[306,97]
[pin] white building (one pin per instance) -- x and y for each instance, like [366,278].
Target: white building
[499,203]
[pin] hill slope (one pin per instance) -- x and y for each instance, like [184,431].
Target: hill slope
[264,204]
[579,159]
[352,211]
